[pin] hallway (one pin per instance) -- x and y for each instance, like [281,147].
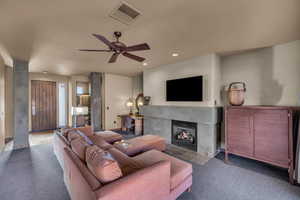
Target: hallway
[34,139]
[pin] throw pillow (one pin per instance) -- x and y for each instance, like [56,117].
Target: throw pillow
[102,164]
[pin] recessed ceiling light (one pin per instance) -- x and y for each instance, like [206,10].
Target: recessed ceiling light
[145,64]
[45,72]
[175,54]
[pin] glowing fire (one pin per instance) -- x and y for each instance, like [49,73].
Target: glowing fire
[184,135]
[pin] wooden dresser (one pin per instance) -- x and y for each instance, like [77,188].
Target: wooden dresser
[261,133]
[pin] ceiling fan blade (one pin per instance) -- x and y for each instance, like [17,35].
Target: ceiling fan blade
[94,50]
[104,40]
[134,57]
[138,47]
[113,58]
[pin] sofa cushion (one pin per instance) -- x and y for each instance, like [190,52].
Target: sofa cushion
[100,142]
[141,144]
[109,136]
[87,130]
[102,164]
[63,138]
[86,173]
[86,138]
[72,135]
[127,164]
[65,131]
[180,170]
[79,146]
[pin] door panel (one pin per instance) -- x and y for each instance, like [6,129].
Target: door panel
[118,89]
[271,136]
[240,136]
[43,103]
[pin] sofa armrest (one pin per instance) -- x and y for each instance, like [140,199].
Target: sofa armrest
[149,183]
[59,143]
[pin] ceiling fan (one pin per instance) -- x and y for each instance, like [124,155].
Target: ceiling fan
[119,48]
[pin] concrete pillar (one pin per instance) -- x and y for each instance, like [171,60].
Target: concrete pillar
[96,100]
[2,104]
[20,100]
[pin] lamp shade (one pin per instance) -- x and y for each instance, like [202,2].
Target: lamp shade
[129,103]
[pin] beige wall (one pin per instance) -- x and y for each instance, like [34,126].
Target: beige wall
[8,105]
[118,89]
[206,66]
[2,104]
[271,74]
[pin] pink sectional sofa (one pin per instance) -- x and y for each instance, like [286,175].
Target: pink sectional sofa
[149,175]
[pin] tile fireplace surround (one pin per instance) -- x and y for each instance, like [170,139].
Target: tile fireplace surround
[158,121]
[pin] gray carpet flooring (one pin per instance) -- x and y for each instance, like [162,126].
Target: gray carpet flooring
[34,174]
[31,174]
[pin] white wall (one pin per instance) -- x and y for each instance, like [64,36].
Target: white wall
[118,89]
[216,80]
[286,70]
[207,66]
[271,74]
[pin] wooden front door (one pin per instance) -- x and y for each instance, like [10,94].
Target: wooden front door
[43,105]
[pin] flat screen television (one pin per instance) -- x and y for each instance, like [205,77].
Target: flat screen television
[185,89]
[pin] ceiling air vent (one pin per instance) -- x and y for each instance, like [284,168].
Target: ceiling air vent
[125,13]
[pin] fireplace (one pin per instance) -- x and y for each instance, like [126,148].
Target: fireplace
[184,134]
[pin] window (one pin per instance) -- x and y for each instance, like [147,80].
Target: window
[62,104]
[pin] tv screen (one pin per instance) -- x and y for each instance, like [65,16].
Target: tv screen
[185,89]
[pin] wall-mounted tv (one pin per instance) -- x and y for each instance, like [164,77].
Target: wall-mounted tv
[185,89]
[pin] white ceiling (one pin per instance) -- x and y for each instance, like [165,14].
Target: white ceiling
[48,33]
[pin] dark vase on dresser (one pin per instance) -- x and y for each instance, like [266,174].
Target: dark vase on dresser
[261,133]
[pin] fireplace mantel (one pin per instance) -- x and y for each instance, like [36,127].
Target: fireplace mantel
[158,121]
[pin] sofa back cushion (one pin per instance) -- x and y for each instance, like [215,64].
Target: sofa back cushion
[72,135]
[65,131]
[86,138]
[79,146]
[100,142]
[87,130]
[127,164]
[102,164]
[86,173]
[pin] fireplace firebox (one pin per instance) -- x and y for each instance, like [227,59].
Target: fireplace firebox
[184,134]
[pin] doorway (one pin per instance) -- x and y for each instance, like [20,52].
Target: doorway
[43,105]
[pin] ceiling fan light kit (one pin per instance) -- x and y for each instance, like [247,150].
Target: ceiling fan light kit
[118,48]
